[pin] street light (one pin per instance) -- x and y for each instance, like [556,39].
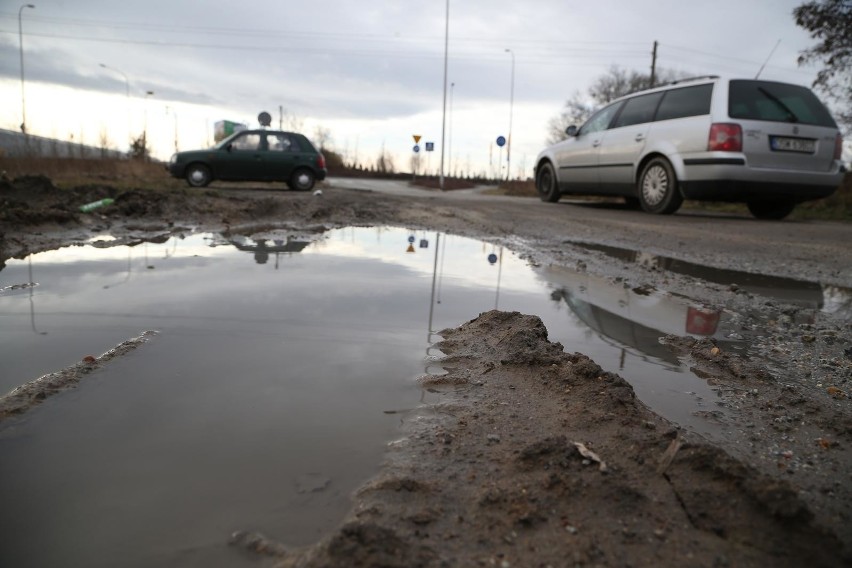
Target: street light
[450,135]
[21,43]
[145,129]
[127,89]
[511,112]
[444,116]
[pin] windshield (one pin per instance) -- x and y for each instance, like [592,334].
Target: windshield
[776,102]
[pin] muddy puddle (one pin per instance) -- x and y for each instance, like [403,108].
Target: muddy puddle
[281,369]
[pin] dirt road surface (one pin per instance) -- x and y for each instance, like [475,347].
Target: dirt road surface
[538,457]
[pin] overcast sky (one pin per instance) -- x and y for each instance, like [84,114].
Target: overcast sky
[371,72]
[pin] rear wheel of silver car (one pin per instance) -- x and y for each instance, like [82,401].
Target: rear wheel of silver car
[658,191]
[302,180]
[773,210]
[546,184]
[198,175]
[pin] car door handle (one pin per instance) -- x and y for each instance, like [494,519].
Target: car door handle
[640,137]
[596,143]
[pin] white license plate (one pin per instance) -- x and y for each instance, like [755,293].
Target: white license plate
[782,144]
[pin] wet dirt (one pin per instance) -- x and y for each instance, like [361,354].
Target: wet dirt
[537,457]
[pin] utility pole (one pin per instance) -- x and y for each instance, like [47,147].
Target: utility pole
[444,118]
[653,64]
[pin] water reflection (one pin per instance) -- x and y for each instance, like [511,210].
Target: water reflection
[262,250]
[806,294]
[632,318]
[260,378]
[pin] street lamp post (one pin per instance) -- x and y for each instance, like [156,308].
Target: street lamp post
[21,44]
[127,89]
[145,129]
[444,116]
[450,135]
[511,114]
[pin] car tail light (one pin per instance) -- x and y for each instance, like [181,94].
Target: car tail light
[838,146]
[321,161]
[725,138]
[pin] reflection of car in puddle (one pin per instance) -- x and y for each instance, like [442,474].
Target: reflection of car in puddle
[262,248]
[788,290]
[635,318]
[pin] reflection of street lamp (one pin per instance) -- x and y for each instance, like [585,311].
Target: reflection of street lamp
[21,43]
[511,111]
[127,89]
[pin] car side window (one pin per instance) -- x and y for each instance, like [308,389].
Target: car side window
[280,143]
[600,120]
[688,101]
[638,110]
[247,142]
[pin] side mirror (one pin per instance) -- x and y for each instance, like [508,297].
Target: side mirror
[571,130]
[229,147]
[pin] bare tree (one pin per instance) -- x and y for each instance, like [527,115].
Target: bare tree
[384,163]
[830,22]
[322,137]
[104,143]
[291,122]
[576,111]
[614,84]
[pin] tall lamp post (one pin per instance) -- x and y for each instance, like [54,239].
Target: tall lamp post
[145,130]
[444,115]
[127,89]
[511,114]
[21,44]
[450,135]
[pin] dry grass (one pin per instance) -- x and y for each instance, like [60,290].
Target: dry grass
[70,172]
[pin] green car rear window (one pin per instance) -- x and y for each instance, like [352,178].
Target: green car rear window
[776,102]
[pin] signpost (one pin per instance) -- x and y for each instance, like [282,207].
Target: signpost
[501,141]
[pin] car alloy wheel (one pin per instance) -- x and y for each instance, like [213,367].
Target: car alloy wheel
[198,175]
[658,191]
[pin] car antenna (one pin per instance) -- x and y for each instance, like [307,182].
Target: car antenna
[767,59]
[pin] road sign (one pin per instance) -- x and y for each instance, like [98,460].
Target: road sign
[416,148]
[417,138]
[430,146]
[501,141]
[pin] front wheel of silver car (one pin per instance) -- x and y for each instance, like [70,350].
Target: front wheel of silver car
[547,184]
[657,188]
[771,210]
[302,180]
[198,175]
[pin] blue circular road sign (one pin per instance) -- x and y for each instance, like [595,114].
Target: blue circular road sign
[416,148]
[501,141]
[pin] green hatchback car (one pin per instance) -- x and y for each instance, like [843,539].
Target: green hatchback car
[253,155]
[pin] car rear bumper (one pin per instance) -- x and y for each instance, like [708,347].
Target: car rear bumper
[321,174]
[735,182]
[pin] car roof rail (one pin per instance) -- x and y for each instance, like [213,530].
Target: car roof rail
[686,80]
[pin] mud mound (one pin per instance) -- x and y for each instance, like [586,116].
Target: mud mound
[538,458]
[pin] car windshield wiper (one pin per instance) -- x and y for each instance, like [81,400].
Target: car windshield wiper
[791,115]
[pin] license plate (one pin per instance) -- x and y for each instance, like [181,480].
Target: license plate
[784,144]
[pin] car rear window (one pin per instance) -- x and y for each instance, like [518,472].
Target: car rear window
[776,102]
[688,101]
[638,110]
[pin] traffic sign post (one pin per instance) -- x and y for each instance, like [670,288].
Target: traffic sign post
[501,141]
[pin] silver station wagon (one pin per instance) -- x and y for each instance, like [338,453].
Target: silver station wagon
[771,145]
